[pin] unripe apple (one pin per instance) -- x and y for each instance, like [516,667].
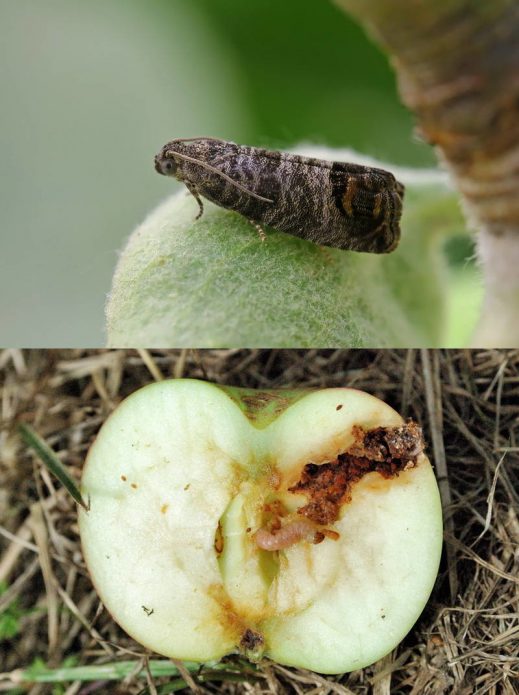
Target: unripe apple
[304,526]
[213,282]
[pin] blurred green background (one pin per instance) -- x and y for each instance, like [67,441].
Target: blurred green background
[91,89]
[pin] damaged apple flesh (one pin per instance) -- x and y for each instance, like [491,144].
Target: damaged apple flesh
[185,480]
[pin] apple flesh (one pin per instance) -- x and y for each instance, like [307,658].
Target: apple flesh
[225,520]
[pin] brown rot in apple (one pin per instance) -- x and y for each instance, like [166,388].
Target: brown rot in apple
[303,526]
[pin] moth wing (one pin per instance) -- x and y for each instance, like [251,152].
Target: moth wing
[371,202]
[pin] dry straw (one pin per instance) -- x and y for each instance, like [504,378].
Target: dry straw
[466,641]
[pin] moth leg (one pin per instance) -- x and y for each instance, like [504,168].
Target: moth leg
[194,192]
[259,229]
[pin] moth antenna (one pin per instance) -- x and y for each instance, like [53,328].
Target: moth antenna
[220,173]
[200,137]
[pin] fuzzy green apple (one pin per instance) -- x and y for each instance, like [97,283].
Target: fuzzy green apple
[300,525]
[212,282]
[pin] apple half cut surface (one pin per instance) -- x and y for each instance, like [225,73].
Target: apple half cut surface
[304,526]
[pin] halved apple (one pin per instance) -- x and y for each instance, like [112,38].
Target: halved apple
[305,526]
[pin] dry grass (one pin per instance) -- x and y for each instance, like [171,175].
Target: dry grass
[467,639]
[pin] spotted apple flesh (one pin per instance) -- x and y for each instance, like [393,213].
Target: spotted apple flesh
[300,526]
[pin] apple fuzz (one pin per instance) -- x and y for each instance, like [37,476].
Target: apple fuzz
[303,526]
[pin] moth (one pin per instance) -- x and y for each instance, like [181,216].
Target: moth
[345,206]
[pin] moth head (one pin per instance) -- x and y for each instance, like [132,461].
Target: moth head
[166,163]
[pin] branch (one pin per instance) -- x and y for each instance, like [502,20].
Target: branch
[457,66]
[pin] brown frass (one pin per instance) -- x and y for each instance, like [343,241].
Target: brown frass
[385,450]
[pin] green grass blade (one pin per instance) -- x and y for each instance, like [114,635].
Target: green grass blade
[39,673]
[171,687]
[51,461]
[204,677]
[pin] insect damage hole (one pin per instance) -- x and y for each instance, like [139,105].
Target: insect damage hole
[384,450]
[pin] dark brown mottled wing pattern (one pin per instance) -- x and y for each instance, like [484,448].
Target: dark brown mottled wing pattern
[346,206]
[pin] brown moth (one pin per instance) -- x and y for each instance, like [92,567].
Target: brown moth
[346,206]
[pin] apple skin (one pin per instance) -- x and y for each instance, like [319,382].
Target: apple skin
[181,463]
